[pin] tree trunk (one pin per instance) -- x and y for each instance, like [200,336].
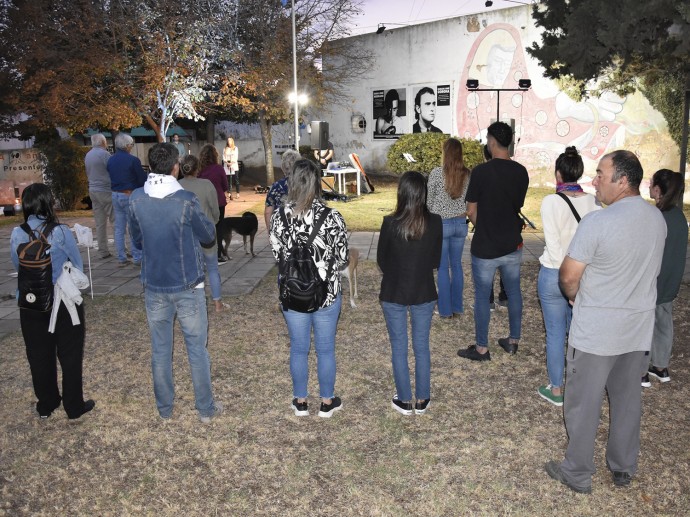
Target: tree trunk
[210,128]
[154,125]
[266,137]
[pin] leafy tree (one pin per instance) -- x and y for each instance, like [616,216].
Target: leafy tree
[426,149]
[110,64]
[263,60]
[591,46]
[64,168]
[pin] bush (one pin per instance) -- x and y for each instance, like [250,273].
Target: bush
[64,169]
[426,148]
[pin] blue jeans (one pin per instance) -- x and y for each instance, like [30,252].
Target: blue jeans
[396,321]
[483,271]
[557,314]
[324,321]
[212,273]
[190,307]
[120,208]
[450,277]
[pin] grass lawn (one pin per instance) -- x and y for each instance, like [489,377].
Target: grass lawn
[479,450]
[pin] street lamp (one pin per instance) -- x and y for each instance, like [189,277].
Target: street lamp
[301,98]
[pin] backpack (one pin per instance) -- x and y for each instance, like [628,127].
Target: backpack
[35,276]
[300,286]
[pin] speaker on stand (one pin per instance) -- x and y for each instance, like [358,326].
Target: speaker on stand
[319,134]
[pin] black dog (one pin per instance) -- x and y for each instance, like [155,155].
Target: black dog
[246,226]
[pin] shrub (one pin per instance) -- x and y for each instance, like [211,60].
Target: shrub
[426,148]
[64,169]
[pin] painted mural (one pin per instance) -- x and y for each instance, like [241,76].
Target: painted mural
[547,120]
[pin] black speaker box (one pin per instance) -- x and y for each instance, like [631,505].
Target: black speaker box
[319,134]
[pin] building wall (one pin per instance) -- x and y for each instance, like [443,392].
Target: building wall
[490,47]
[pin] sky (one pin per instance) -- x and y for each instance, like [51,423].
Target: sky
[419,11]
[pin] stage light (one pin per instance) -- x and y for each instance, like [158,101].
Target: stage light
[472,84]
[524,84]
[381,28]
[488,3]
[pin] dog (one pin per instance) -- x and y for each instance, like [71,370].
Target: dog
[246,226]
[350,272]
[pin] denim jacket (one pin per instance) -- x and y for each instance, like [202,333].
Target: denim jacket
[170,231]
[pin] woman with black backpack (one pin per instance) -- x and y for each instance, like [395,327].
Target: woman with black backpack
[67,342]
[310,241]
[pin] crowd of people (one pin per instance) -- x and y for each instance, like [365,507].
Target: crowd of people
[606,285]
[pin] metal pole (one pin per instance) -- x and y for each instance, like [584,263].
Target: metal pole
[498,106]
[294,76]
[686,121]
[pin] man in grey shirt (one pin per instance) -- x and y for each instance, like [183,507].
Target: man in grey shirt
[610,272]
[96,162]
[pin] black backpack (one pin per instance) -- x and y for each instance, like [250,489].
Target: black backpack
[35,277]
[301,287]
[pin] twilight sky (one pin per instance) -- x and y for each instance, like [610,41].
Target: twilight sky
[419,11]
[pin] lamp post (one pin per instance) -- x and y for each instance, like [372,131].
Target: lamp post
[296,100]
[295,95]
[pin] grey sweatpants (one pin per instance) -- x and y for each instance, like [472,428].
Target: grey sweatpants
[587,375]
[662,339]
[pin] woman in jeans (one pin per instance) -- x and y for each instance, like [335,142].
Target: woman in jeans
[232,168]
[409,249]
[330,254]
[66,344]
[206,192]
[209,163]
[560,224]
[447,188]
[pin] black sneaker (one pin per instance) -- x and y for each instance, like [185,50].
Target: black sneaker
[659,373]
[621,478]
[509,347]
[471,353]
[327,410]
[553,469]
[404,408]
[88,406]
[222,260]
[503,303]
[300,408]
[421,406]
[645,381]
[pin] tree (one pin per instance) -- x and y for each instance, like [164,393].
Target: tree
[592,46]
[110,64]
[258,93]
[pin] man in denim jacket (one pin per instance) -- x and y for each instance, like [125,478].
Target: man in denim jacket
[168,224]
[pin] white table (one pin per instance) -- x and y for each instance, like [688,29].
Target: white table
[340,175]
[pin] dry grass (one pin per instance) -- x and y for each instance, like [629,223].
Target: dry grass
[479,450]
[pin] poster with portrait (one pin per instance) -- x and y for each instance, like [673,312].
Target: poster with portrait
[432,108]
[390,119]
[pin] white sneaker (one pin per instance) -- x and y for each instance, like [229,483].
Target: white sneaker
[217,410]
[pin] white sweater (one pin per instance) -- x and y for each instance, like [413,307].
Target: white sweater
[560,225]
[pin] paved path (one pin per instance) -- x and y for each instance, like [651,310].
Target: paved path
[238,276]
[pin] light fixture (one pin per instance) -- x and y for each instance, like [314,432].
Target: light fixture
[488,3]
[381,28]
[472,84]
[301,98]
[524,84]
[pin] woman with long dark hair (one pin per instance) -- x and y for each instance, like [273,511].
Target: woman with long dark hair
[409,249]
[209,163]
[666,188]
[560,215]
[447,189]
[292,224]
[66,343]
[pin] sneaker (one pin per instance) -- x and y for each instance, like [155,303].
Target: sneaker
[88,406]
[300,408]
[443,317]
[621,478]
[222,260]
[404,408]
[553,469]
[546,393]
[217,410]
[506,345]
[123,263]
[471,353]
[492,307]
[107,255]
[645,381]
[421,406]
[503,303]
[659,373]
[327,410]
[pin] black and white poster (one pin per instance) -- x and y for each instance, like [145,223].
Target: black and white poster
[389,113]
[432,108]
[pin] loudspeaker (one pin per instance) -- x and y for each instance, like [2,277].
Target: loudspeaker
[319,134]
